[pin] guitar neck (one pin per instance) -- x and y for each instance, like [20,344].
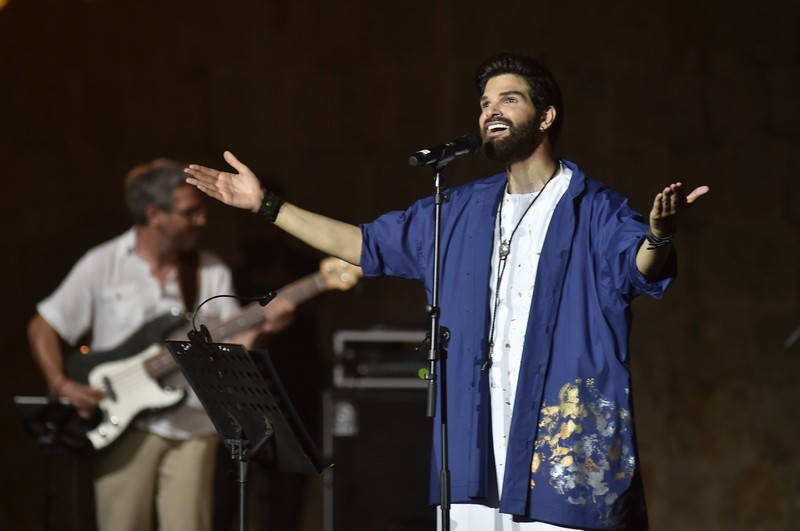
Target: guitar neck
[250,316]
[303,289]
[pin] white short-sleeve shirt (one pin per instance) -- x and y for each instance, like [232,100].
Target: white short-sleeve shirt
[111,294]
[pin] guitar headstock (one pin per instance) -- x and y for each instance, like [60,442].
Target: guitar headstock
[338,274]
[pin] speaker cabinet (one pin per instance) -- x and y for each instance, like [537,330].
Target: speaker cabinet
[379,442]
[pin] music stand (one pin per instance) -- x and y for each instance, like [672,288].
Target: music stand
[244,398]
[53,422]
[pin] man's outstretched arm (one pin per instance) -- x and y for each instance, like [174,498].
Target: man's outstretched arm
[244,190]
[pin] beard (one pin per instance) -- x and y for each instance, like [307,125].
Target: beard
[182,239]
[519,144]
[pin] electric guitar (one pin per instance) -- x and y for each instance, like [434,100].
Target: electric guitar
[129,374]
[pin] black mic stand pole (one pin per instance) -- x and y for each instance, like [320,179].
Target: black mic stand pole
[438,346]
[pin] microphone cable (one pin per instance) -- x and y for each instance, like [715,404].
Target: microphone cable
[263,300]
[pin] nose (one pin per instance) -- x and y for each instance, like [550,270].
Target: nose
[199,218]
[490,110]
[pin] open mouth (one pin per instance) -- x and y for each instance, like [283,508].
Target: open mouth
[496,128]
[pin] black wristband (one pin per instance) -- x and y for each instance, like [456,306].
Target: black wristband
[270,206]
[654,242]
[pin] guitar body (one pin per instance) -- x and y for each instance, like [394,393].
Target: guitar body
[121,374]
[78,366]
[130,391]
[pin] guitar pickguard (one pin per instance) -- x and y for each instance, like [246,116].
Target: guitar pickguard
[129,391]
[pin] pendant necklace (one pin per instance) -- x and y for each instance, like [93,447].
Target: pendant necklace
[503,251]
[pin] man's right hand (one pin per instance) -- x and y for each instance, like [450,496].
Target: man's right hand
[241,190]
[85,399]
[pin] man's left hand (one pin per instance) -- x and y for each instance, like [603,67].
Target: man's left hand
[279,313]
[669,205]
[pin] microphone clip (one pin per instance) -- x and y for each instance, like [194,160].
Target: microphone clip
[201,339]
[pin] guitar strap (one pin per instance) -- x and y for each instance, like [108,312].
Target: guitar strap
[188,277]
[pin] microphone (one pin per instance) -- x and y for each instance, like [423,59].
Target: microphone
[444,153]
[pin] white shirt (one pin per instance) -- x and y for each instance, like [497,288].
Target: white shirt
[111,293]
[513,299]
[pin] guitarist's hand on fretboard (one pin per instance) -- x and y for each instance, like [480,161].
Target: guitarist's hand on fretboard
[333,274]
[279,314]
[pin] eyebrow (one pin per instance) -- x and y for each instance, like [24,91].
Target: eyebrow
[506,93]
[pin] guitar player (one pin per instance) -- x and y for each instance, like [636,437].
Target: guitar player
[158,473]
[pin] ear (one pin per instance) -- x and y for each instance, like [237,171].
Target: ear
[548,118]
[152,212]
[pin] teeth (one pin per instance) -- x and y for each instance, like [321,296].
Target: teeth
[497,127]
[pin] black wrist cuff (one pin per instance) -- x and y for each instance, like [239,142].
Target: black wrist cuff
[270,206]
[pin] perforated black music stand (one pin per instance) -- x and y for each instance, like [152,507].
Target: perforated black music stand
[245,400]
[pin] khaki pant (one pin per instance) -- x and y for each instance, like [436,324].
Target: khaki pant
[144,480]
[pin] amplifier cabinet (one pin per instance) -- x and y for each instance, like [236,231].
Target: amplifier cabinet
[375,359]
[377,434]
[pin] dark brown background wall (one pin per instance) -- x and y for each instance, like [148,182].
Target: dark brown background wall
[326,100]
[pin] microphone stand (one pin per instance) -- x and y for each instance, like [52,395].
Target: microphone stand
[438,343]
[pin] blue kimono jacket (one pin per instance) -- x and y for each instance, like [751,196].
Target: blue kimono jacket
[572,458]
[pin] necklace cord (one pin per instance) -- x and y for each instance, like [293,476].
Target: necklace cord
[503,252]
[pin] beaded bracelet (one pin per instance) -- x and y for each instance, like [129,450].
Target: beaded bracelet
[270,206]
[655,242]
